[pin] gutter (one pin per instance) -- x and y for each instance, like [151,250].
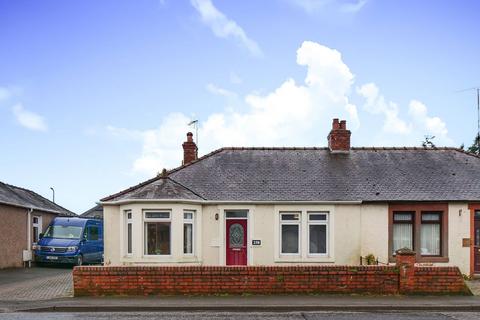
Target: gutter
[30,208]
[204,202]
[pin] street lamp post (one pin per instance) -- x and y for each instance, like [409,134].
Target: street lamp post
[53,191]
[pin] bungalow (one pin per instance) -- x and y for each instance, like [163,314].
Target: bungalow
[301,206]
[24,215]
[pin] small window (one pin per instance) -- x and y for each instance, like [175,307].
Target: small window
[157,215]
[402,230]
[290,233]
[430,234]
[188,232]
[317,233]
[236,214]
[290,216]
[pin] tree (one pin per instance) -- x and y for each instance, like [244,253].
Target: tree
[475,147]
[428,143]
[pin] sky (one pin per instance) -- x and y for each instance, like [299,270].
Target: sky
[96,96]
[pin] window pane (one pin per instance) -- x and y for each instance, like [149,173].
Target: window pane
[129,238]
[290,216]
[402,236]
[157,215]
[129,215]
[431,216]
[188,215]
[404,216]
[158,238]
[318,217]
[290,238]
[318,239]
[188,238]
[430,239]
[236,213]
[92,233]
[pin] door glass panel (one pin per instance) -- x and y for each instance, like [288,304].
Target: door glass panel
[477,237]
[236,235]
[236,213]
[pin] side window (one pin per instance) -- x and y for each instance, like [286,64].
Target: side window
[92,233]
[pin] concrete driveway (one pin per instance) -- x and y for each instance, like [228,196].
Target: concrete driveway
[36,283]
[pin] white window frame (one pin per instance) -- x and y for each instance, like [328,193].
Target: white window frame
[145,230]
[291,222]
[128,221]
[327,232]
[192,222]
[38,226]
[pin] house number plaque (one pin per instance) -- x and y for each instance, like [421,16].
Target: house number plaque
[256,242]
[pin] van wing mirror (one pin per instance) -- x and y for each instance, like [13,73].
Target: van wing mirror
[40,236]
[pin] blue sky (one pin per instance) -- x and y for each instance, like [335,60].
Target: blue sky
[95,96]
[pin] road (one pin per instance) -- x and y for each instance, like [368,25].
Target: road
[246,315]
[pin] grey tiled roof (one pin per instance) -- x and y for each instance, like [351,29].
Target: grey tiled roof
[316,174]
[94,213]
[25,198]
[159,188]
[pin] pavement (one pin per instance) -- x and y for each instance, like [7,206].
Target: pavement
[34,284]
[45,290]
[248,316]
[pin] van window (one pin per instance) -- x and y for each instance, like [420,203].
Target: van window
[92,233]
[63,232]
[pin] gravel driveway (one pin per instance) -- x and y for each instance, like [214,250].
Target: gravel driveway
[35,284]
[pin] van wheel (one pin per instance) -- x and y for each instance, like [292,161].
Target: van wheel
[79,261]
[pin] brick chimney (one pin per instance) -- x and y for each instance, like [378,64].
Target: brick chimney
[339,137]
[190,150]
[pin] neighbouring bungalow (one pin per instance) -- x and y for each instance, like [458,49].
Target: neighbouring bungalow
[24,215]
[93,213]
[301,206]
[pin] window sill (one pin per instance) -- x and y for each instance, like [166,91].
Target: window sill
[426,259]
[305,260]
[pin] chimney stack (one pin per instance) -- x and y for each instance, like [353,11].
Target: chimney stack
[190,150]
[339,137]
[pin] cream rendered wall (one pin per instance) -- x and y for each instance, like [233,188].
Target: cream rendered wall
[210,237]
[111,238]
[354,231]
[458,228]
[374,231]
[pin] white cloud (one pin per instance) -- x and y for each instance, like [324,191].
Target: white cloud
[432,125]
[415,128]
[343,6]
[376,104]
[353,7]
[292,114]
[216,90]
[29,119]
[223,27]
[289,115]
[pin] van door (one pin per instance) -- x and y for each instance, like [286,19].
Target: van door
[94,243]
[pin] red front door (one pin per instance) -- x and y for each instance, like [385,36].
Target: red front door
[476,242]
[236,242]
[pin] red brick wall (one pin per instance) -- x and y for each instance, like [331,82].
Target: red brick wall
[189,280]
[437,280]
[96,281]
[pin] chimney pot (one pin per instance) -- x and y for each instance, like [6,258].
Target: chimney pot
[190,150]
[339,136]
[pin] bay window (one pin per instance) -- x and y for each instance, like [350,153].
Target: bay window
[188,231]
[128,231]
[157,232]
